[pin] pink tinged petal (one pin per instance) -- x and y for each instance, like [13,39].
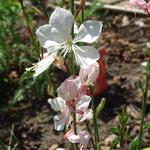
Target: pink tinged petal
[74,138]
[68,90]
[84,137]
[63,20]
[148,7]
[90,74]
[44,64]
[89,32]
[86,56]
[83,104]
[50,37]
[137,3]
[57,104]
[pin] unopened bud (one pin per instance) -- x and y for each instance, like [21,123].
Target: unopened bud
[100,106]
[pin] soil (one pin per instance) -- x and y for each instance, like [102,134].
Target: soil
[124,37]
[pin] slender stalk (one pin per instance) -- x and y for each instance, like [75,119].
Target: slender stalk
[88,129]
[72,70]
[82,14]
[72,11]
[144,103]
[44,9]
[28,22]
[96,134]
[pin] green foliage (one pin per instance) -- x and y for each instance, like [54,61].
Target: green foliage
[17,53]
[121,131]
[134,144]
[60,3]
[89,12]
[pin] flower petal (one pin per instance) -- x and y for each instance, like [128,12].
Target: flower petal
[88,115]
[62,120]
[42,65]
[89,31]
[62,19]
[68,90]
[86,56]
[50,37]
[57,104]
[83,104]
[59,123]
[90,74]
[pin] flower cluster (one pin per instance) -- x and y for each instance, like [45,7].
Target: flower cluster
[73,93]
[72,98]
[141,4]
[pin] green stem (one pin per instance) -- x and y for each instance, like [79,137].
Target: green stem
[82,13]
[145,95]
[72,70]
[28,22]
[44,9]
[88,129]
[96,134]
[75,128]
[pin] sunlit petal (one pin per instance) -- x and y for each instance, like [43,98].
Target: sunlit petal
[44,64]
[89,32]
[86,56]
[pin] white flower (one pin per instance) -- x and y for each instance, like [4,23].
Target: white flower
[56,37]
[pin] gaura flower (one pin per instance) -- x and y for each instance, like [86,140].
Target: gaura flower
[56,38]
[67,107]
[82,137]
[90,74]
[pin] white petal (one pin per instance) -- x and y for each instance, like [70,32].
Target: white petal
[89,32]
[83,104]
[88,115]
[62,19]
[50,37]
[59,123]
[86,56]
[57,104]
[42,65]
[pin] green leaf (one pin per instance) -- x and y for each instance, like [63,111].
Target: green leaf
[134,144]
[60,2]
[141,85]
[115,131]
[114,143]
[146,126]
[148,67]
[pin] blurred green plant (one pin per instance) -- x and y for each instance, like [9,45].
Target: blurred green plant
[17,53]
[121,132]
